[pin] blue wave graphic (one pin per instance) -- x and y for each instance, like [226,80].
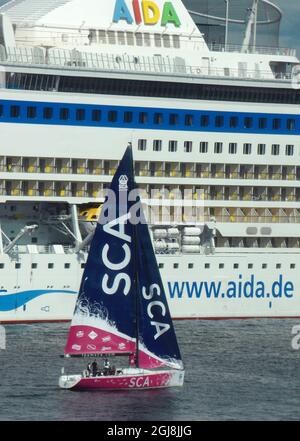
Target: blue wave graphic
[14,301]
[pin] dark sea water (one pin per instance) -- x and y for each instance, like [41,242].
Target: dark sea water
[235,370]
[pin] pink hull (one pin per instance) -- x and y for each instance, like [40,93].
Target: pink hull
[149,380]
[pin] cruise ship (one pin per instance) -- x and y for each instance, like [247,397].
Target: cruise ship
[214,128]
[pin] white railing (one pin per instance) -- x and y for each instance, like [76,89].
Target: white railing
[90,61]
[261,50]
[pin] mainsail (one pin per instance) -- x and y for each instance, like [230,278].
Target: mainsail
[122,306]
[104,317]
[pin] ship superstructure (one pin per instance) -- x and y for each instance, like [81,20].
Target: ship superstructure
[214,130]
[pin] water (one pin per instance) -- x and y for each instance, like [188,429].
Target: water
[235,370]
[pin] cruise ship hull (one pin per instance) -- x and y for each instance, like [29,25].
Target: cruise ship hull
[217,292]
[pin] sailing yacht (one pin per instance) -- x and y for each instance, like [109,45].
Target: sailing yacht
[122,307]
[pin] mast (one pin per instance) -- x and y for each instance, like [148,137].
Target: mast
[136,282]
[251,28]
[137,305]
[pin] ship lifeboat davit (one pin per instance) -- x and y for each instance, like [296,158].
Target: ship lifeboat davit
[88,218]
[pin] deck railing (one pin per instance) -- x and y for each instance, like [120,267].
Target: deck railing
[92,61]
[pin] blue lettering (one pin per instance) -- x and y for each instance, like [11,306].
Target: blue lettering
[277,288]
[176,291]
[194,288]
[213,289]
[289,290]
[122,12]
[232,290]
[249,288]
[260,290]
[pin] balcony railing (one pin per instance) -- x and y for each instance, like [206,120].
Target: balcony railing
[91,61]
[262,50]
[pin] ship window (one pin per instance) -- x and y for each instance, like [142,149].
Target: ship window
[173,119]
[15,111]
[121,38]
[82,265]
[50,265]
[203,147]
[158,118]
[64,113]
[112,116]
[102,37]
[34,240]
[128,117]
[80,114]
[139,39]
[34,265]
[1,110]
[233,122]
[142,144]
[264,266]
[166,40]
[247,149]
[176,266]
[157,40]
[261,149]
[275,149]
[204,120]
[218,147]
[236,266]
[48,112]
[291,124]
[157,145]
[250,265]
[1,265]
[191,266]
[176,41]
[262,123]
[143,117]
[188,146]
[276,123]
[161,265]
[289,150]
[293,266]
[221,265]
[31,112]
[67,265]
[248,122]
[173,146]
[219,121]
[17,266]
[130,38]
[278,266]
[232,148]
[111,37]
[207,266]
[147,40]
[96,115]
[189,120]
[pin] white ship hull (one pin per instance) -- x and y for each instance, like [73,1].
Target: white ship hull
[195,293]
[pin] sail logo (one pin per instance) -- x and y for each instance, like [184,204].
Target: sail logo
[147,12]
[139,382]
[123,183]
[93,335]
